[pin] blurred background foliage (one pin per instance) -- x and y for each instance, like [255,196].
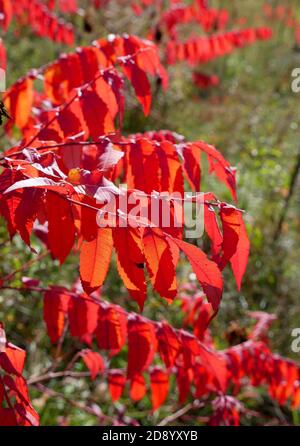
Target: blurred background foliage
[252,117]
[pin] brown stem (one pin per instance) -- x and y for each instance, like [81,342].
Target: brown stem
[55,375]
[96,413]
[173,417]
[24,267]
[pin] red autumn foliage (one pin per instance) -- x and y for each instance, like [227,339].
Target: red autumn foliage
[70,159]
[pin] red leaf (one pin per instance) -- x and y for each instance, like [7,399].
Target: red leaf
[231,223]
[192,167]
[112,328]
[83,315]
[183,383]
[137,388]
[116,383]
[128,244]
[56,303]
[141,345]
[159,382]
[239,259]
[220,167]
[212,229]
[160,263]
[140,83]
[93,361]
[95,257]
[12,359]
[96,114]
[61,229]
[207,272]
[168,343]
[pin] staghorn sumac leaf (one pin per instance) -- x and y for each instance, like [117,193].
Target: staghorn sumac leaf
[95,257]
[130,261]
[160,263]
[116,383]
[159,383]
[18,101]
[59,213]
[93,361]
[141,345]
[12,359]
[140,83]
[207,272]
[239,259]
[168,343]
[137,388]
[56,302]
[111,330]
[83,316]
[231,224]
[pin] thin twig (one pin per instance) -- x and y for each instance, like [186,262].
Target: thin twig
[94,412]
[173,417]
[55,375]
[24,267]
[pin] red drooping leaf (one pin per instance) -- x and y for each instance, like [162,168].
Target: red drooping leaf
[141,345]
[220,167]
[13,387]
[192,166]
[140,83]
[116,383]
[83,317]
[142,166]
[137,388]
[212,229]
[204,315]
[159,383]
[111,330]
[130,257]
[95,257]
[12,359]
[93,361]
[18,101]
[160,263]
[168,343]
[239,259]
[60,216]
[231,223]
[56,302]
[183,383]
[207,272]
[96,114]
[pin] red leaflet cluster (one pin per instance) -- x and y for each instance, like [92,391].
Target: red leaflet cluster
[209,18]
[113,327]
[226,411]
[64,187]
[87,89]
[195,363]
[206,48]
[285,15]
[67,6]
[35,13]
[59,177]
[15,405]
[254,360]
